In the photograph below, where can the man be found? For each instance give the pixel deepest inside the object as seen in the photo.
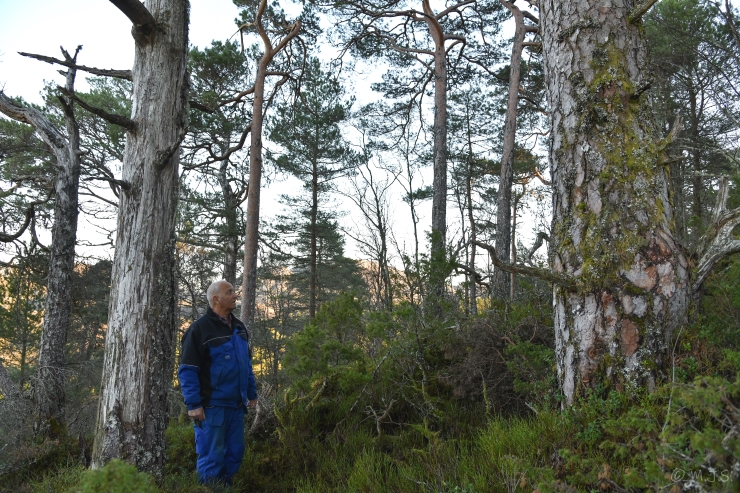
(218, 385)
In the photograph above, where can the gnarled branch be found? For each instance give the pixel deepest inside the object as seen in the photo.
(137, 14)
(544, 274)
(119, 74)
(640, 10)
(36, 119)
(477, 278)
(7, 238)
(717, 242)
(541, 236)
(123, 121)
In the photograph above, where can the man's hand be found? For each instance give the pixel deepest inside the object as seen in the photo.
(252, 404)
(197, 414)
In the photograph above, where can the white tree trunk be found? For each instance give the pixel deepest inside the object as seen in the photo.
(137, 372)
(612, 216)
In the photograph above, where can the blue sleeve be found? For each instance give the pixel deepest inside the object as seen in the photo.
(190, 385)
(189, 371)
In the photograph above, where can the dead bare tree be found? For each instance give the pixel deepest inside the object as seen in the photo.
(49, 381)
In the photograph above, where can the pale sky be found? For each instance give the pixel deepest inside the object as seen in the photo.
(41, 26)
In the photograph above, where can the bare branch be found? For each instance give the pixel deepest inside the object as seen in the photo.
(238, 97)
(35, 237)
(640, 10)
(36, 119)
(454, 8)
(544, 274)
(7, 238)
(476, 275)
(123, 121)
(531, 17)
(541, 236)
(119, 74)
(137, 14)
(200, 106)
(717, 242)
(542, 178)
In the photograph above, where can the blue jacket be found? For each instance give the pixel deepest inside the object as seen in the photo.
(216, 364)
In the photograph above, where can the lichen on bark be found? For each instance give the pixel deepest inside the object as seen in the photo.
(611, 212)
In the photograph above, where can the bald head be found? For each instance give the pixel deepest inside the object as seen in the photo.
(213, 290)
(221, 297)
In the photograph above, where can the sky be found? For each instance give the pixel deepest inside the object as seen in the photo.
(42, 26)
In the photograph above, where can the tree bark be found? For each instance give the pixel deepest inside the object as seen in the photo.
(49, 381)
(612, 225)
(249, 291)
(137, 371)
(439, 184)
(501, 279)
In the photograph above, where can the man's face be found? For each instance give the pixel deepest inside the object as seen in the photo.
(226, 296)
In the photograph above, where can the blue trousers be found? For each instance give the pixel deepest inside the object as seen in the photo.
(219, 443)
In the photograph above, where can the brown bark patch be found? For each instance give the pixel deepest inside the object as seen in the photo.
(643, 277)
(630, 337)
(607, 301)
(658, 250)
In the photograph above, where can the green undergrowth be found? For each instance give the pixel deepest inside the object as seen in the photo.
(678, 436)
(394, 403)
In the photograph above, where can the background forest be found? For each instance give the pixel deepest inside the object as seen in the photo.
(402, 283)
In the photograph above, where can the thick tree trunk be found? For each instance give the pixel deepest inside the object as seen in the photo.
(501, 279)
(612, 225)
(137, 372)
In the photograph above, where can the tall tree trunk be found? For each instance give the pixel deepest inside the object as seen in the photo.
(139, 349)
(697, 182)
(472, 288)
(313, 267)
(249, 282)
(439, 184)
(231, 240)
(249, 279)
(501, 279)
(49, 381)
(612, 225)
